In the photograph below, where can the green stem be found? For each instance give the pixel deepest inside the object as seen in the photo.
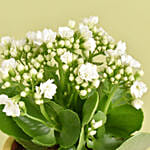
(109, 100)
(81, 140)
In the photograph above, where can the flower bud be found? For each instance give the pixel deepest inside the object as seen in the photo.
(77, 87)
(39, 102)
(83, 92)
(71, 23)
(40, 75)
(23, 94)
(20, 67)
(85, 84)
(27, 48)
(109, 70)
(129, 70)
(65, 67)
(80, 60)
(71, 77)
(62, 43)
(49, 45)
(118, 76)
(7, 84)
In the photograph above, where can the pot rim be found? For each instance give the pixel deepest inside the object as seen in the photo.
(8, 143)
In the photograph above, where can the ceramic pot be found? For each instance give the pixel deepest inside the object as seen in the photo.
(8, 144)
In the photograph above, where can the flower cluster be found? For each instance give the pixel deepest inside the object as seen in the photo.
(71, 54)
(70, 86)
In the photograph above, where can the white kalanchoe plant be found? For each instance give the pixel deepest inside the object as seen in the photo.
(57, 90)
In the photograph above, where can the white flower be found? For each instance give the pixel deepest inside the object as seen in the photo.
(138, 89)
(6, 40)
(49, 35)
(8, 65)
(85, 32)
(65, 32)
(121, 47)
(92, 20)
(120, 50)
(90, 44)
(11, 109)
(88, 72)
(137, 103)
(129, 60)
(48, 89)
(66, 57)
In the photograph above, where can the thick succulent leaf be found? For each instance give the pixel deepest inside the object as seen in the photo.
(70, 131)
(124, 120)
(9, 126)
(107, 142)
(141, 141)
(100, 116)
(89, 108)
(31, 127)
(32, 108)
(45, 140)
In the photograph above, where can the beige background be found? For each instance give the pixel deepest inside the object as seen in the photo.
(128, 20)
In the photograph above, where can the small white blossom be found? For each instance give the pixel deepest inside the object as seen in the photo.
(49, 35)
(11, 109)
(5, 40)
(8, 65)
(92, 20)
(137, 103)
(90, 44)
(119, 51)
(129, 60)
(88, 72)
(138, 89)
(48, 88)
(85, 32)
(65, 32)
(66, 57)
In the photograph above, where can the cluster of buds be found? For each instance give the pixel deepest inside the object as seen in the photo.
(34, 62)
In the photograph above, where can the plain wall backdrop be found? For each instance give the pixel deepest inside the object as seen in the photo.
(127, 20)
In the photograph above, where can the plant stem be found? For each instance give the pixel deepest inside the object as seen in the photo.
(81, 140)
(109, 100)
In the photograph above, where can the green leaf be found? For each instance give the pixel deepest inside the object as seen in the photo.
(32, 108)
(107, 142)
(100, 116)
(89, 108)
(45, 140)
(71, 148)
(141, 141)
(31, 127)
(9, 127)
(124, 120)
(70, 131)
(120, 97)
(29, 145)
